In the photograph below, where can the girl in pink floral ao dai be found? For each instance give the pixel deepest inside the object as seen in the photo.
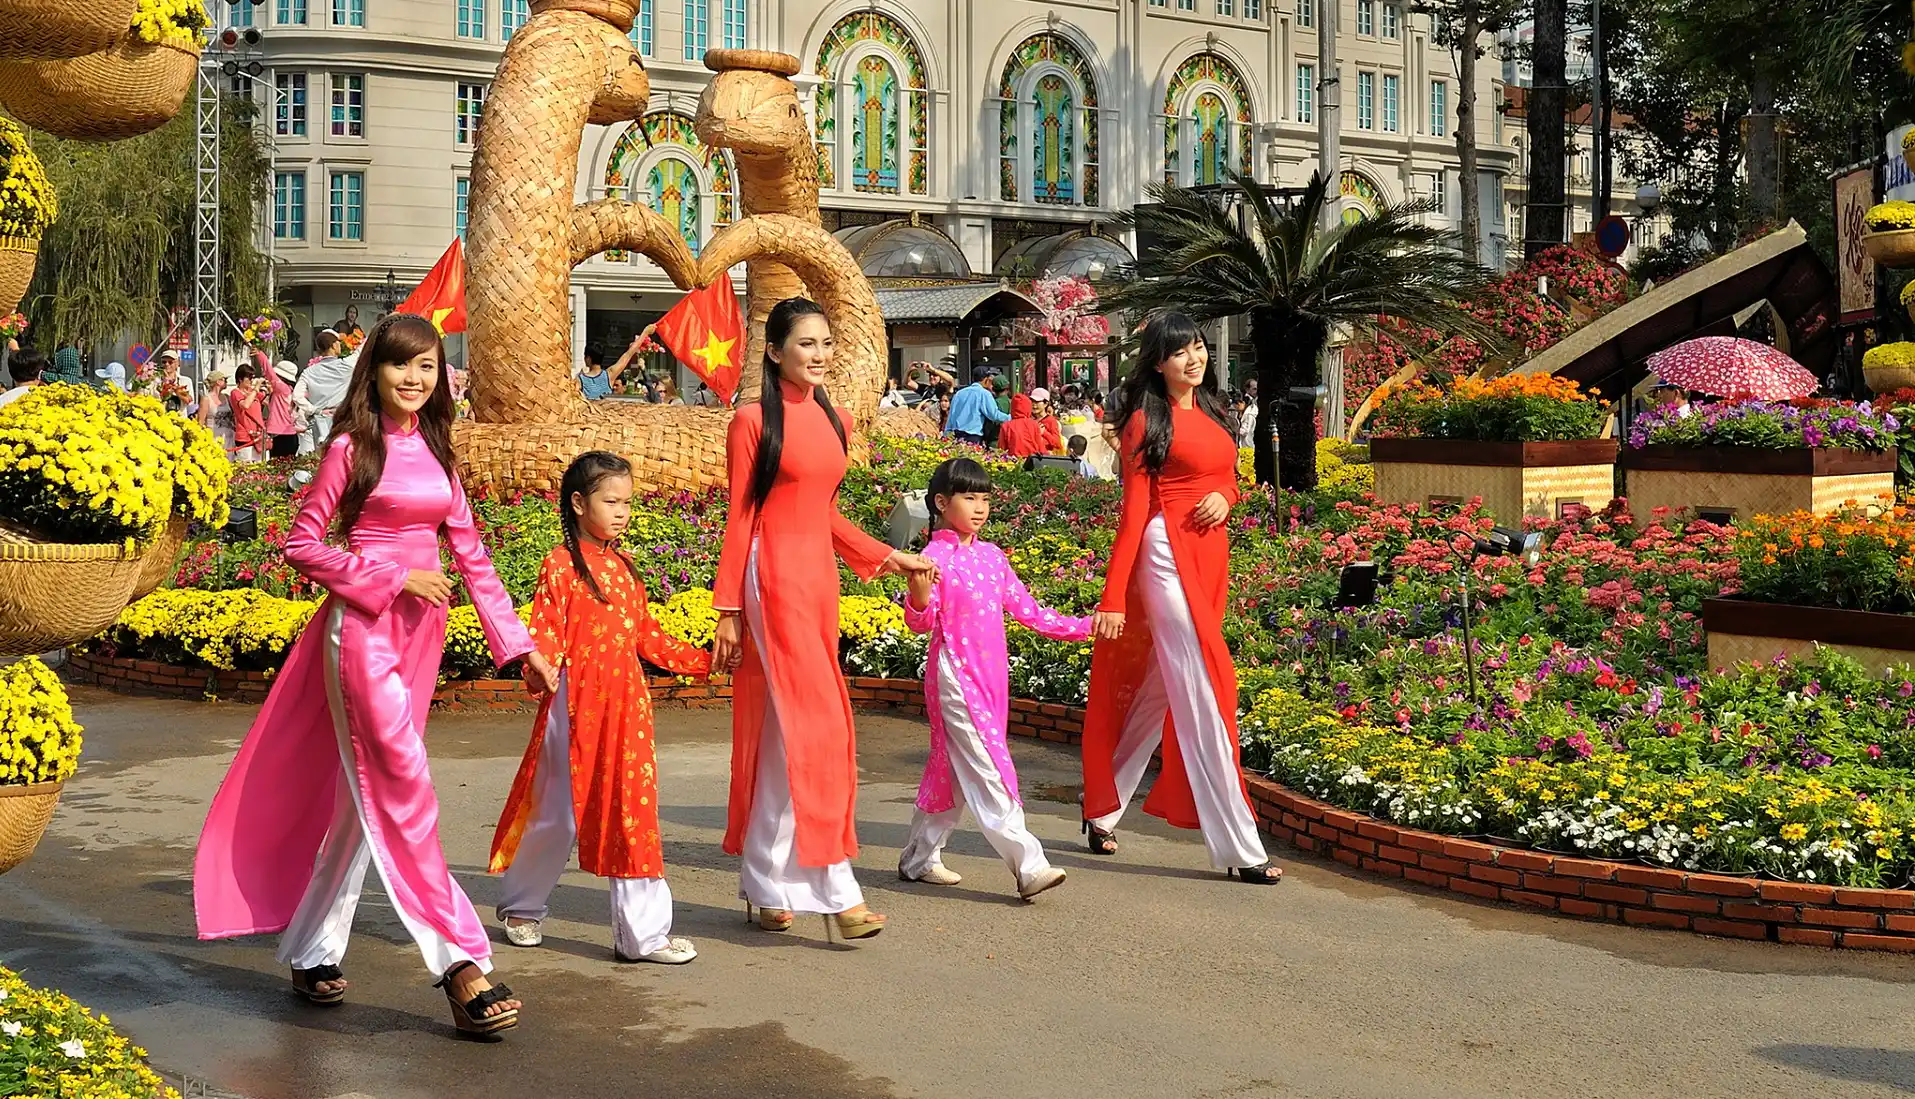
(967, 685)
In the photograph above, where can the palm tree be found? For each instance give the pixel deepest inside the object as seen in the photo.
(1296, 281)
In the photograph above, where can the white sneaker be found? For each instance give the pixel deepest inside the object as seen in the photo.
(936, 875)
(1047, 878)
(676, 951)
(529, 933)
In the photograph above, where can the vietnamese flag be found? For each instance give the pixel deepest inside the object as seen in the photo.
(441, 297)
(706, 332)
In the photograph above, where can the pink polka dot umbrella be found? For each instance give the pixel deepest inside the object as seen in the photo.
(1724, 366)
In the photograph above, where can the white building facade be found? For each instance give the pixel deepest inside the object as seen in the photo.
(993, 123)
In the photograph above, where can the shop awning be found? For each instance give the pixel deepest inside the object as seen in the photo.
(1610, 353)
(948, 304)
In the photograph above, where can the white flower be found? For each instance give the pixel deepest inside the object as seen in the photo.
(3, 994)
(73, 1048)
(11, 1030)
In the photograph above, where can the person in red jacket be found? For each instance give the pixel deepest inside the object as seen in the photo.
(1160, 651)
(1046, 418)
(1021, 437)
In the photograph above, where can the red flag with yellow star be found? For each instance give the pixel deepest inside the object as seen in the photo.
(441, 297)
(706, 332)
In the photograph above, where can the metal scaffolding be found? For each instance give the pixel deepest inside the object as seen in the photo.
(206, 218)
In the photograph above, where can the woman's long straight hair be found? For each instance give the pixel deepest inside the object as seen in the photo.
(771, 399)
(398, 338)
(1143, 389)
(582, 478)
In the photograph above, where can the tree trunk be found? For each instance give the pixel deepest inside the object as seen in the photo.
(1548, 103)
(1289, 354)
(1765, 166)
(1722, 213)
(1466, 182)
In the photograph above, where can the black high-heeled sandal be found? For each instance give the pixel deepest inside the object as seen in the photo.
(306, 982)
(1267, 874)
(470, 1017)
(1098, 840)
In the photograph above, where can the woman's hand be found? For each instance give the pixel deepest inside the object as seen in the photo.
(539, 675)
(727, 644)
(431, 585)
(1211, 511)
(1109, 625)
(908, 564)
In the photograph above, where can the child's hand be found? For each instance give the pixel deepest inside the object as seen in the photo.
(1109, 625)
(921, 583)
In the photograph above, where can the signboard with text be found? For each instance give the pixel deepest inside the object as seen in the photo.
(1855, 271)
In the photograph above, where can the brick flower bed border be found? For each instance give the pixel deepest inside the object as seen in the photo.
(1643, 896)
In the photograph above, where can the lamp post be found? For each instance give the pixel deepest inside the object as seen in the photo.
(391, 297)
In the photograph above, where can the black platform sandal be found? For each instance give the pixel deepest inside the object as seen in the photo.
(470, 1017)
(306, 982)
(1267, 874)
(1099, 841)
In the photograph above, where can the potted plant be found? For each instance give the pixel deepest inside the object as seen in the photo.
(1890, 366)
(1733, 459)
(133, 86)
(39, 750)
(1843, 580)
(27, 206)
(1890, 239)
(1526, 444)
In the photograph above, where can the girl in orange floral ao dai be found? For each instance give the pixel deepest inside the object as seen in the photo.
(590, 773)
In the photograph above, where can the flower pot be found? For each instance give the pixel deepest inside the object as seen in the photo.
(45, 29)
(1888, 379)
(130, 89)
(1514, 480)
(157, 563)
(17, 257)
(24, 813)
(54, 594)
(1743, 631)
(1891, 247)
(1726, 483)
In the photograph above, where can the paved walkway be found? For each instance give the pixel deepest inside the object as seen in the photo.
(1146, 976)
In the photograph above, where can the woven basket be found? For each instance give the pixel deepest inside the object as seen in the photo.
(1893, 248)
(24, 813)
(53, 594)
(17, 258)
(619, 13)
(44, 29)
(1888, 379)
(157, 564)
(130, 89)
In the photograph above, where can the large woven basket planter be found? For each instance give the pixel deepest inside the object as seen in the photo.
(24, 813)
(125, 91)
(1552, 480)
(161, 557)
(54, 594)
(1726, 484)
(62, 28)
(1888, 379)
(17, 257)
(1893, 248)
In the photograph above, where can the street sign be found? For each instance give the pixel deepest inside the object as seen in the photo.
(1612, 237)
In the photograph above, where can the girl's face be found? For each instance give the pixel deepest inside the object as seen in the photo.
(604, 515)
(404, 387)
(1185, 367)
(806, 353)
(965, 512)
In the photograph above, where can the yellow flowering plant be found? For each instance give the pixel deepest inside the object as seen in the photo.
(53, 1047)
(39, 740)
(225, 630)
(688, 616)
(863, 618)
(1898, 354)
(87, 465)
(28, 203)
(171, 22)
(1889, 216)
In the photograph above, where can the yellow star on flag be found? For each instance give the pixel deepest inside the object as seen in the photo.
(716, 352)
(439, 319)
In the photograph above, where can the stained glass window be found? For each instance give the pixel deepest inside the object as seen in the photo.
(1053, 157)
(1210, 139)
(673, 187)
(874, 131)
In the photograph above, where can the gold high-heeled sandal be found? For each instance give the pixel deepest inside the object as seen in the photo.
(770, 919)
(858, 923)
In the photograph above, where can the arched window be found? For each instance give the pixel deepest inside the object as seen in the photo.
(1048, 125)
(1207, 122)
(872, 112)
(660, 162)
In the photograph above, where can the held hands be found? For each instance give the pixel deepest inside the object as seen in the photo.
(1109, 625)
(727, 645)
(909, 564)
(921, 583)
(540, 677)
(1210, 511)
(430, 585)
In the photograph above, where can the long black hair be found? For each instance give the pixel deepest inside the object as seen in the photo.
(771, 400)
(1143, 389)
(582, 478)
(952, 477)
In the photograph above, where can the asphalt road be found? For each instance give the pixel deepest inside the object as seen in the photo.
(1144, 976)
